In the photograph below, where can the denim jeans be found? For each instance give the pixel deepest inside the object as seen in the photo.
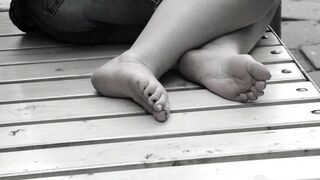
(92, 21)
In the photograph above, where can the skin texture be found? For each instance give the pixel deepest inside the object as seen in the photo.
(175, 32)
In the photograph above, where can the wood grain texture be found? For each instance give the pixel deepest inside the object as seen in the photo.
(145, 127)
(270, 169)
(180, 101)
(162, 152)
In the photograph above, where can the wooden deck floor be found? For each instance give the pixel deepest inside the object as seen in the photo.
(54, 126)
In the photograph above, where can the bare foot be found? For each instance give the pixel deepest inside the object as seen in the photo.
(234, 77)
(127, 77)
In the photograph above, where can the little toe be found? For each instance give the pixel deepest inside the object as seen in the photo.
(142, 85)
(251, 96)
(260, 85)
(242, 98)
(149, 90)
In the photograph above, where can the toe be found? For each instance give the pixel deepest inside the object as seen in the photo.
(149, 90)
(161, 109)
(242, 98)
(258, 70)
(145, 105)
(251, 96)
(142, 85)
(260, 85)
(256, 92)
(155, 96)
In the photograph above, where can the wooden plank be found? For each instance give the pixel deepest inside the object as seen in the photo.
(271, 54)
(6, 26)
(180, 101)
(268, 39)
(68, 53)
(82, 87)
(144, 127)
(161, 152)
(267, 169)
(4, 5)
(28, 41)
(60, 89)
(84, 68)
(40, 55)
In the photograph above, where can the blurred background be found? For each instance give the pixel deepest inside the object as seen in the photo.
(301, 33)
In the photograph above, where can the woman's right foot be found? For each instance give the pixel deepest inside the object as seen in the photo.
(127, 77)
(234, 77)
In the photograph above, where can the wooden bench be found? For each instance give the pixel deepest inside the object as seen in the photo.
(54, 126)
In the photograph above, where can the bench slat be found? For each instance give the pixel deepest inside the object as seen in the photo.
(84, 68)
(144, 127)
(67, 53)
(268, 39)
(29, 41)
(82, 87)
(162, 152)
(6, 26)
(280, 169)
(99, 107)
(264, 54)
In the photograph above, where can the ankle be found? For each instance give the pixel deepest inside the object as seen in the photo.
(131, 56)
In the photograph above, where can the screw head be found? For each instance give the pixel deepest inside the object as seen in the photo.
(317, 111)
(276, 52)
(302, 89)
(286, 71)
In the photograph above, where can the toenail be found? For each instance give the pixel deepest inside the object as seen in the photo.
(165, 113)
(159, 107)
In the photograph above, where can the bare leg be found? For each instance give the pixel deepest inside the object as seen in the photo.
(221, 68)
(176, 27)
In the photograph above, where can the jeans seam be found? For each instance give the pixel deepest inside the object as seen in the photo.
(54, 8)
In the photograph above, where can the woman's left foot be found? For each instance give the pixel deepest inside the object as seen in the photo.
(234, 77)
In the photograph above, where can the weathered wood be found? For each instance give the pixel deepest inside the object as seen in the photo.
(84, 68)
(144, 127)
(162, 152)
(180, 101)
(283, 168)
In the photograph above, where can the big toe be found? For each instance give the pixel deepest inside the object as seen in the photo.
(258, 71)
(161, 109)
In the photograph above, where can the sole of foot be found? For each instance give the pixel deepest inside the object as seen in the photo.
(236, 77)
(127, 77)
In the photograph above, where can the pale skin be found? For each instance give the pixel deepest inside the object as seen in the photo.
(207, 40)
